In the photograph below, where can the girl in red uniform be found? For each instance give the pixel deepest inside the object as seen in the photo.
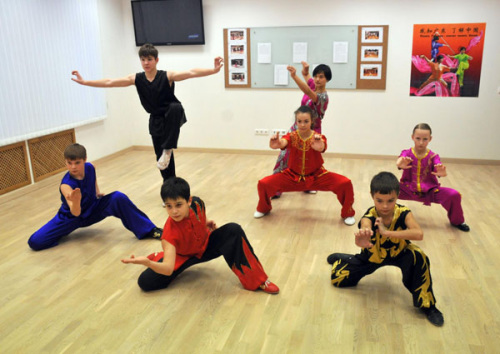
(305, 168)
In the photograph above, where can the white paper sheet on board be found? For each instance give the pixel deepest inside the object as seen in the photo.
(299, 52)
(280, 75)
(264, 53)
(340, 52)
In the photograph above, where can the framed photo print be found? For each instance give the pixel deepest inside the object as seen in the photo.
(237, 49)
(371, 53)
(237, 63)
(238, 78)
(370, 71)
(237, 34)
(372, 34)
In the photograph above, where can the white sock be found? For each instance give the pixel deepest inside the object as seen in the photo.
(164, 159)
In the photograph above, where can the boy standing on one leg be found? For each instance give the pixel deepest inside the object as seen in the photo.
(156, 91)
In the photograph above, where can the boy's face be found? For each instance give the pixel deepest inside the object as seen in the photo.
(178, 209)
(303, 122)
(149, 63)
(76, 168)
(421, 138)
(385, 203)
(320, 80)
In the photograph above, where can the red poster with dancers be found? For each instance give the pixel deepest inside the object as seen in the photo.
(446, 59)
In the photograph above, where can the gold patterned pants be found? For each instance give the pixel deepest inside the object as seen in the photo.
(348, 270)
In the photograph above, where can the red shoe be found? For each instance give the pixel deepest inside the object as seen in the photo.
(269, 287)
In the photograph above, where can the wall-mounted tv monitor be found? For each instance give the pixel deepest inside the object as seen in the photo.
(168, 22)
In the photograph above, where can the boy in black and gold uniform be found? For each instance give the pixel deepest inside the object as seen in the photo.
(384, 235)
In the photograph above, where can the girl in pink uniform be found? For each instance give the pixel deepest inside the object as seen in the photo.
(421, 168)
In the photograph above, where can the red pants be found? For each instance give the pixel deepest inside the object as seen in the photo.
(285, 182)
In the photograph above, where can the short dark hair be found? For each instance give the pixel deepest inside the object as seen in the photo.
(422, 126)
(325, 69)
(384, 183)
(174, 188)
(439, 57)
(75, 152)
(148, 50)
(306, 109)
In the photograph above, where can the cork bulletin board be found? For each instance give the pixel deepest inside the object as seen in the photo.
(363, 66)
(372, 57)
(237, 68)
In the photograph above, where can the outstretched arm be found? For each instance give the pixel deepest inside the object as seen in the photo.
(413, 231)
(166, 267)
(302, 85)
(189, 74)
(426, 59)
(120, 82)
(277, 143)
(73, 198)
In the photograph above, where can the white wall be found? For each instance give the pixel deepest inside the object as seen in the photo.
(114, 133)
(357, 122)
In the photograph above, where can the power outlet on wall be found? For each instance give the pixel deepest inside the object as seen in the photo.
(280, 131)
(261, 131)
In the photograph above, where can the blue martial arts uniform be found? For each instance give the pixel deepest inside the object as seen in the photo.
(93, 210)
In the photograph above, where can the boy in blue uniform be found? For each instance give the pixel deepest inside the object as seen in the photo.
(83, 205)
(384, 235)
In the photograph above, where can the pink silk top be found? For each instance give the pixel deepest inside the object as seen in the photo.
(419, 177)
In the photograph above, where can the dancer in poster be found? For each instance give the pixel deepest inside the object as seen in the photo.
(435, 45)
(438, 69)
(462, 64)
(441, 82)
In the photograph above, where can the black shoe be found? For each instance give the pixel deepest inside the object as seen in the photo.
(462, 227)
(348, 258)
(155, 233)
(433, 315)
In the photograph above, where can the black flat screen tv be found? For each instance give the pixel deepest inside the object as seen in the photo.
(168, 22)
